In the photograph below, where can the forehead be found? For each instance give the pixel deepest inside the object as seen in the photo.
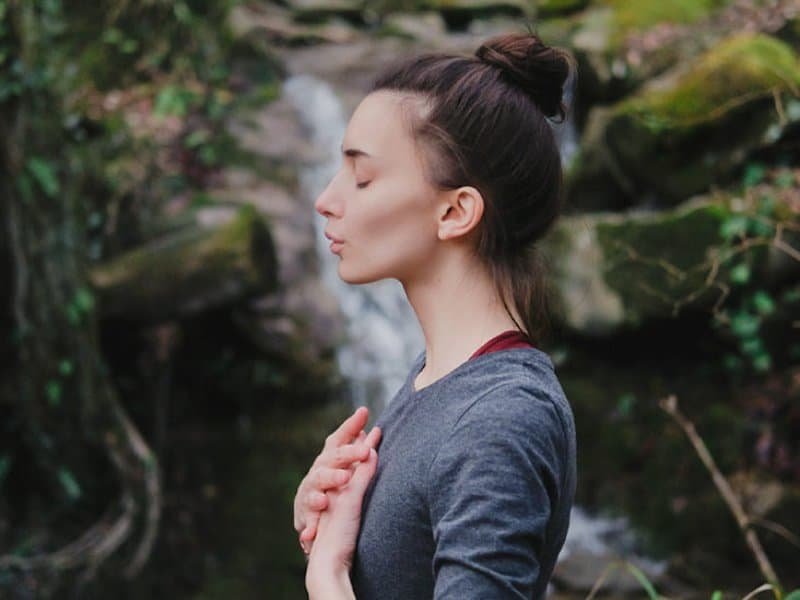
(379, 126)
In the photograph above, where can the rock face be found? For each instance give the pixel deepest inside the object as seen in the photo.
(690, 128)
(614, 270)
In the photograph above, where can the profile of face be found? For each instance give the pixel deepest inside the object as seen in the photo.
(390, 219)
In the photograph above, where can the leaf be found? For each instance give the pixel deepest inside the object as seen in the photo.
(173, 100)
(65, 367)
(44, 174)
(717, 595)
(740, 273)
(52, 390)
(84, 300)
(733, 226)
(625, 404)
(793, 595)
(744, 324)
(73, 314)
(69, 483)
(752, 346)
(753, 174)
(763, 303)
(196, 138)
(762, 362)
(760, 228)
(642, 578)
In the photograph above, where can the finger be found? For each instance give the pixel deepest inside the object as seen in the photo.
(374, 437)
(345, 456)
(316, 500)
(308, 534)
(349, 427)
(325, 478)
(311, 527)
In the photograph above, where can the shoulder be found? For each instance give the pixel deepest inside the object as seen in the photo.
(523, 396)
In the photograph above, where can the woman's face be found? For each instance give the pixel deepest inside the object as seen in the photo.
(379, 203)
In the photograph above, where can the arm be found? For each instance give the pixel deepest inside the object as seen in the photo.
(334, 584)
(328, 568)
(492, 489)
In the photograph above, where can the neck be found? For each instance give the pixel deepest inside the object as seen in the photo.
(458, 309)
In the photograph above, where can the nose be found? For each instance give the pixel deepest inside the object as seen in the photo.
(325, 204)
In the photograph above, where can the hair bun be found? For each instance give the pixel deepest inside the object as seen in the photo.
(540, 70)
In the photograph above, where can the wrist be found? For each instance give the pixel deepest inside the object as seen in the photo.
(329, 582)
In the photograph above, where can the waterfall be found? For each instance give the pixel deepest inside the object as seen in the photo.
(383, 335)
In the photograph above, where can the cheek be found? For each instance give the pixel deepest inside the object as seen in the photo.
(395, 223)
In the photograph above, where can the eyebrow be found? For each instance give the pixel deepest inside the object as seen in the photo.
(354, 152)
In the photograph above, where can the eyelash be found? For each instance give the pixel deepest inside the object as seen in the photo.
(361, 186)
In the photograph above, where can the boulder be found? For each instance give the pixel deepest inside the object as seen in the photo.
(459, 13)
(312, 11)
(599, 35)
(546, 8)
(614, 270)
(221, 255)
(692, 127)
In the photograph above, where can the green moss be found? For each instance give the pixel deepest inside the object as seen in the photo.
(635, 15)
(742, 68)
(653, 263)
(554, 7)
(656, 263)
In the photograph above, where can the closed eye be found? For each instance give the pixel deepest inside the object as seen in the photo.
(362, 185)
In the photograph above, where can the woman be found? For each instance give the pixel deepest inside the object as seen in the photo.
(451, 174)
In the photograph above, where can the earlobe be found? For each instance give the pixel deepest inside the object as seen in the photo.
(463, 210)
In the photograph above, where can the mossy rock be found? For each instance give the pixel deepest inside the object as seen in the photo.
(693, 127)
(598, 40)
(614, 271)
(459, 13)
(742, 68)
(634, 15)
(316, 11)
(546, 8)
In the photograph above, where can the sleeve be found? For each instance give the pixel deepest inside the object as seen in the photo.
(492, 488)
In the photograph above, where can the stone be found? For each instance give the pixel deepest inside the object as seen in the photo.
(736, 98)
(612, 271)
(425, 26)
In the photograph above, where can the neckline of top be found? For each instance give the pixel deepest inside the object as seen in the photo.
(532, 352)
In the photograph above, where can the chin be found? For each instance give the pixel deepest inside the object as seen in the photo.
(358, 277)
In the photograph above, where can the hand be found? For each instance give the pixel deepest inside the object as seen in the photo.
(331, 468)
(327, 574)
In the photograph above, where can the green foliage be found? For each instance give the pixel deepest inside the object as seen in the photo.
(69, 483)
(44, 174)
(108, 109)
(750, 305)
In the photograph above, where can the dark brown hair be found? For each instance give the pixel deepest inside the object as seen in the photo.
(485, 125)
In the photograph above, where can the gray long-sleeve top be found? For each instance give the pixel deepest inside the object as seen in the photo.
(475, 480)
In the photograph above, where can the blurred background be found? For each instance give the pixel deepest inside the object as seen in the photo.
(175, 343)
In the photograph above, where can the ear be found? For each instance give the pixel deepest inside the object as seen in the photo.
(460, 212)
